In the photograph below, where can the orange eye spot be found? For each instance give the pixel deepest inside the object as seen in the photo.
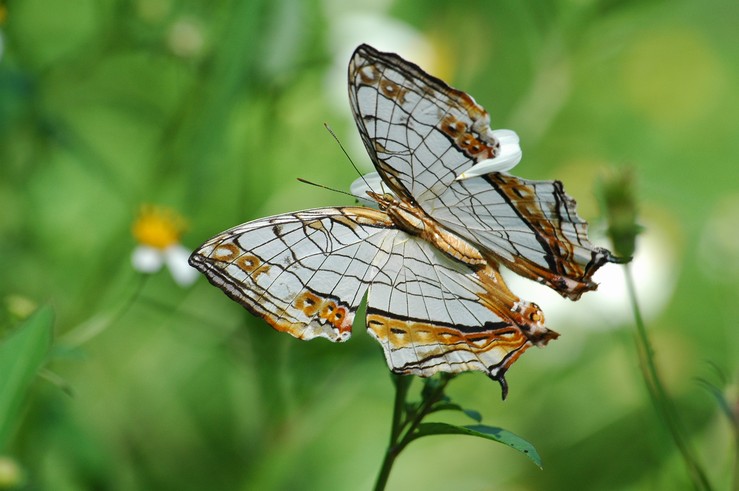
(369, 75)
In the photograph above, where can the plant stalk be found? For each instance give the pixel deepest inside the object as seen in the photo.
(401, 392)
(657, 392)
(406, 421)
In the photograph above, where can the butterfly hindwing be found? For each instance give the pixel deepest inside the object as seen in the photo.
(432, 313)
(531, 227)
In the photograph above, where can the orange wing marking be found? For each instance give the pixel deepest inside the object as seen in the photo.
(504, 344)
(526, 315)
(326, 309)
(249, 263)
(473, 147)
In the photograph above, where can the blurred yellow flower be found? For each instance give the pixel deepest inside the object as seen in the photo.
(11, 474)
(158, 231)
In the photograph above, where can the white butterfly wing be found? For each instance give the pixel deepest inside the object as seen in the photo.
(306, 272)
(423, 136)
(530, 226)
(420, 133)
(431, 313)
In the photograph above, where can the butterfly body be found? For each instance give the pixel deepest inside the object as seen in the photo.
(415, 221)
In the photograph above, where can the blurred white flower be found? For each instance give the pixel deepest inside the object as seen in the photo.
(348, 29)
(185, 38)
(654, 270)
(158, 232)
(718, 249)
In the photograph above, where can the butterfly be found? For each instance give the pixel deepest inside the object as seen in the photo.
(428, 255)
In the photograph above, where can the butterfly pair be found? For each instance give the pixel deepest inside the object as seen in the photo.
(428, 259)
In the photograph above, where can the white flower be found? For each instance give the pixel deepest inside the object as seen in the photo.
(158, 233)
(349, 29)
(508, 156)
(186, 38)
(654, 270)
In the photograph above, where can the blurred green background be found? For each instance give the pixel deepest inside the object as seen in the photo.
(215, 108)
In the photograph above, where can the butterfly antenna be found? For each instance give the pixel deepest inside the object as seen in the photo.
(336, 138)
(305, 181)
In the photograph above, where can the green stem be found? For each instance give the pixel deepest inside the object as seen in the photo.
(658, 393)
(402, 383)
(405, 421)
(733, 415)
(736, 459)
(426, 406)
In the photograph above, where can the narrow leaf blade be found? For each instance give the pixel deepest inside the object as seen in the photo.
(482, 431)
(21, 356)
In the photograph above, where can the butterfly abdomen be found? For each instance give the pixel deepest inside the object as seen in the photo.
(413, 220)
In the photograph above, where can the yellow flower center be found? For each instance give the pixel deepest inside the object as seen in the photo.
(158, 227)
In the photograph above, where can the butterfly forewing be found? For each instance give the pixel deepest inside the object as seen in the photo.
(306, 272)
(420, 133)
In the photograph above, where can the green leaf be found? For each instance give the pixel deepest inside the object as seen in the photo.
(490, 432)
(451, 406)
(21, 356)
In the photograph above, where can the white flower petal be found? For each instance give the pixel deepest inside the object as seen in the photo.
(147, 259)
(176, 257)
(509, 156)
